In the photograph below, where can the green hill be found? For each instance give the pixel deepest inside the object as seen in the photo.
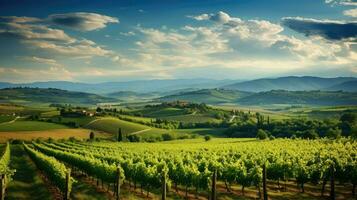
(208, 96)
(132, 96)
(50, 95)
(112, 125)
(291, 83)
(349, 86)
(301, 97)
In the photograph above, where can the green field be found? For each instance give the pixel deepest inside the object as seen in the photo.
(80, 121)
(162, 112)
(6, 118)
(192, 118)
(30, 126)
(112, 125)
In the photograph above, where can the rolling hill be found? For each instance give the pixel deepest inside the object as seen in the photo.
(349, 86)
(39, 95)
(140, 86)
(291, 83)
(132, 96)
(331, 98)
(208, 96)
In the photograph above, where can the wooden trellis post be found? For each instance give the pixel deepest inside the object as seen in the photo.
(68, 179)
(117, 192)
(332, 183)
(163, 187)
(265, 193)
(2, 186)
(213, 189)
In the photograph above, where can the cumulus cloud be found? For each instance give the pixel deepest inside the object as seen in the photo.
(82, 21)
(219, 17)
(37, 34)
(328, 29)
(351, 12)
(77, 49)
(24, 28)
(258, 44)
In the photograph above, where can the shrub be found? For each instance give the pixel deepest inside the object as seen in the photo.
(134, 138)
(167, 137)
(207, 137)
(262, 135)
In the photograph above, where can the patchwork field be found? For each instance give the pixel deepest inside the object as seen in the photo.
(54, 134)
(20, 125)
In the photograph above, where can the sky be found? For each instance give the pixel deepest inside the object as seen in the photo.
(101, 41)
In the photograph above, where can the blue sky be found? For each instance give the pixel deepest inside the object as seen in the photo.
(99, 41)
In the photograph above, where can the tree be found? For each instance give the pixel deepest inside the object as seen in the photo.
(348, 117)
(207, 137)
(134, 138)
(310, 134)
(99, 109)
(262, 135)
(91, 135)
(167, 137)
(333, 133)
(120, 135)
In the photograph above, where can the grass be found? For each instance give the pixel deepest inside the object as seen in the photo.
(163, 112)
(81, 121)
(26, 183)
(55, 134)
(112, 125)
(6, 118)
(197, 118)
(51, 113)
(30, 126)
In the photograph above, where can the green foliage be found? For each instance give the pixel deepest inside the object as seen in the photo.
(334, 133)
(207, 137)
(134, 138)
(185, 164)
(4, 164)
(167, 137)
(261, 135)
(54, 170)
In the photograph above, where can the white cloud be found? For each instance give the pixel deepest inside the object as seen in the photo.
(77, 49)
(82, 21)
(16, 74)
(342, 2)
(20, 28)
(351, 12)
(36, 34)
(129, 33)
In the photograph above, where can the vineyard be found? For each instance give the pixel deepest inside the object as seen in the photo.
(204, 170)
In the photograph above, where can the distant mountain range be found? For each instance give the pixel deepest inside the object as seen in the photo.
(349, 86)
(140, 86)
(208, 96)
(313, 97)
(164, 87)
(322, 98)
(294, 83)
